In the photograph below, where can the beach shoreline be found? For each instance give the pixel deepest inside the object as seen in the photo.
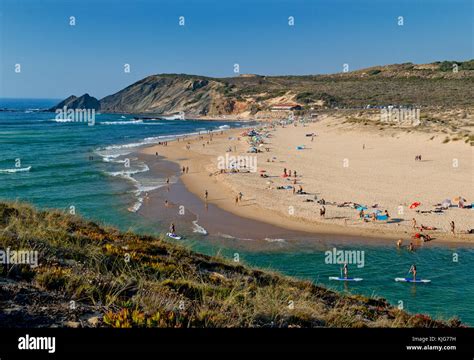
(223, 188)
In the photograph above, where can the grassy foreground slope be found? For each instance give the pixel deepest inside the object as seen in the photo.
(91, 276)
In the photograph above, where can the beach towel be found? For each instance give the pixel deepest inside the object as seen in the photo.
(415, 205)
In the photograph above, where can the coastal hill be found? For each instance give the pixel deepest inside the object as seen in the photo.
(445, 84)
(83, 102)
(91, 276)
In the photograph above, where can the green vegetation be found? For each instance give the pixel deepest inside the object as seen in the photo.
(374, 72)
(141, 281)
(462, 65)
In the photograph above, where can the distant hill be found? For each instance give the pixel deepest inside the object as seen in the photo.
(83, 102)
(440, 84)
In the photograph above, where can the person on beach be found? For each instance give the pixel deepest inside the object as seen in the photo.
(187, 169)
(237, 200)
(322, 212)
(414, 223)
(386, 214)
(411, 248)
(399, 243)
(156, 153)
(166, 203)
(361, 214)
(184, 170)
(413, 271)
(452, 228)
(240, 196)
(167, 181)
(206, 194)
(294, 174)
(426, 237)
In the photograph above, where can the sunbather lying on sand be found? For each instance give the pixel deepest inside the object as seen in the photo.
(423, 227)
(424, 237)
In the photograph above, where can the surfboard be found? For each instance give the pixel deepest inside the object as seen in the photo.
(173, 236)
(410, 280)
(344, 279)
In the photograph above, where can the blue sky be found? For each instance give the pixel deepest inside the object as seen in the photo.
(58, 60)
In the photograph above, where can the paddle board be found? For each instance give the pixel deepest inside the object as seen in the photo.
(344, 279)
(173, 236)
(410, 280)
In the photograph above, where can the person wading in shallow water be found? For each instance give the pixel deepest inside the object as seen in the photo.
(206, 195)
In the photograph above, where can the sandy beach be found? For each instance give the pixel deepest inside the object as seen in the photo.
(342, 164)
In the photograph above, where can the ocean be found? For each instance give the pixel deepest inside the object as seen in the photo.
(80, 168)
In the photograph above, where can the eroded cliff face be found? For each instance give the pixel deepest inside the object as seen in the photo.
(170, 94)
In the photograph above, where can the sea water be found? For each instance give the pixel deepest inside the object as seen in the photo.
(80, 168)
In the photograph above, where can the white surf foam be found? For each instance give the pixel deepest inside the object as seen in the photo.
(131, 122)
(15, 170)
(275, 240)
(198, 228)
(62, 120)
(128, 173)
